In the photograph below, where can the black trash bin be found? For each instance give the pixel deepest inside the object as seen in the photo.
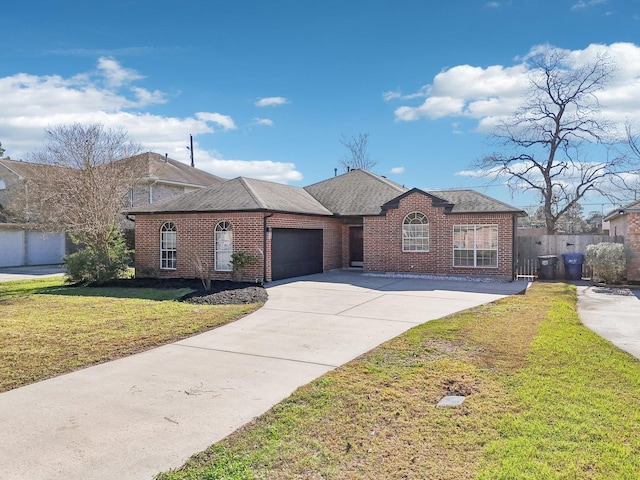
(547, 267)
(573, 265)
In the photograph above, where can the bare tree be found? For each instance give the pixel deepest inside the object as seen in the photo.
(357, 156)
(549, 134)
(83, 190)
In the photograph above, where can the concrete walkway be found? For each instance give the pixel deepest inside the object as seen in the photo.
(613, 313)
(135, 417)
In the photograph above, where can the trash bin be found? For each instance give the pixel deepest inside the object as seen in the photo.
(547, 267)
(573, 265)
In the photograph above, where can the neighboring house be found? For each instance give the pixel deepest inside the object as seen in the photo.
(160, 178)
(21, 243)
(625, 221)
(357, 219)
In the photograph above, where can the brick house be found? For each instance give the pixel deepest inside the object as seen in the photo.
(625, 221)
(357, 219)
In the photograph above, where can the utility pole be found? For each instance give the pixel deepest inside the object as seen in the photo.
(191, 149)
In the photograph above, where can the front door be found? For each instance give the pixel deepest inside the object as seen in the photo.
(356, 247)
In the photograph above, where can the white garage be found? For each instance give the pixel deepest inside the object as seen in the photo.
(19, 247)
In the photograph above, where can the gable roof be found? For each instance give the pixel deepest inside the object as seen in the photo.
(240, 194)
(156, 167)
(357, 192)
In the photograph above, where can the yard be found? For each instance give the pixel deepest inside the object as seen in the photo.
(47, 328)
(546, 399)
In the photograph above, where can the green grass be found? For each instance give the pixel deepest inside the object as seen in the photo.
(47, 328)
(546, 399)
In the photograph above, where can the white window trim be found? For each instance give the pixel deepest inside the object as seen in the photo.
(475, 246)
(174, 230)
(428, 236)
(227, 228)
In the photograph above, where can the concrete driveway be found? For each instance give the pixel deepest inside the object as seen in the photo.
(137, 416)
(613, 313)
(30, 272)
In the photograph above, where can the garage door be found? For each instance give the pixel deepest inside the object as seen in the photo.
(45, 248)
(295, 252)
(12, 250)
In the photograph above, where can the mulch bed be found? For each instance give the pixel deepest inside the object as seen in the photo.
(222, 292)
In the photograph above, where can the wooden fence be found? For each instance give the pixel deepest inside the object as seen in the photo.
(529, 248)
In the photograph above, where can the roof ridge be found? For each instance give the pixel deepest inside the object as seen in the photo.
(382, 179)
(251, 191)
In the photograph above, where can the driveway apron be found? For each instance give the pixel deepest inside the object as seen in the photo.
(147, 413)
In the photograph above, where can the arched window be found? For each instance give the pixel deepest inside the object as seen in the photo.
(224, 247)
(168, 246)
(415, 233)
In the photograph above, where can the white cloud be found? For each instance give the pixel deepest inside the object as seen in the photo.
(266, 122)
(114, 74)
(271, 101)
(29, 104)
(225, 121)
(489, 94)
(397, 170)
(279, 172)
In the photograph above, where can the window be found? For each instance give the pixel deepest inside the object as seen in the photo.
(224, 247)
(415, 233)
(168, 246)
(475, 246)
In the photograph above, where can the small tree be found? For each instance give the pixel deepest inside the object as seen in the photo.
(83, 190)
(357, 156)
(608, 261)
(1, 150)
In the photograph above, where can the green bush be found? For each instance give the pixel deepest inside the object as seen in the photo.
(92, 265)
(608, 261)
(240, 261)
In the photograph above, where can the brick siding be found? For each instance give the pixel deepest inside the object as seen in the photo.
(383, 241)
(195, 241)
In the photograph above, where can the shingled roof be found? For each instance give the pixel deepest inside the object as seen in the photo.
(240, 194)
(24, 170)
(357, 192)
(162, 168)
(470, 201)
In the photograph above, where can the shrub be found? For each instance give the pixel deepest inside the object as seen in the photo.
(240, 260)
(93, 265)
(608, 261)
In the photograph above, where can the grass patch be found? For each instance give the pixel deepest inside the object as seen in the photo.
(47, 328)
(546, 399)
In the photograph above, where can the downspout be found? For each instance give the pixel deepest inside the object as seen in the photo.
(264, 246)
(514, 258)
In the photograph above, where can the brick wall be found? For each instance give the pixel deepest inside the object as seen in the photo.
(632, 241)
(383, 241)
(195, 240)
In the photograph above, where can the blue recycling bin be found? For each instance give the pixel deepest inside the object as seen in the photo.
(573, 265)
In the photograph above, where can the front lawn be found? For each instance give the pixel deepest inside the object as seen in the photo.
(47, 328)
(546, 399)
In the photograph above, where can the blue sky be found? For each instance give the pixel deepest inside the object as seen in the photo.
(267, 88)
